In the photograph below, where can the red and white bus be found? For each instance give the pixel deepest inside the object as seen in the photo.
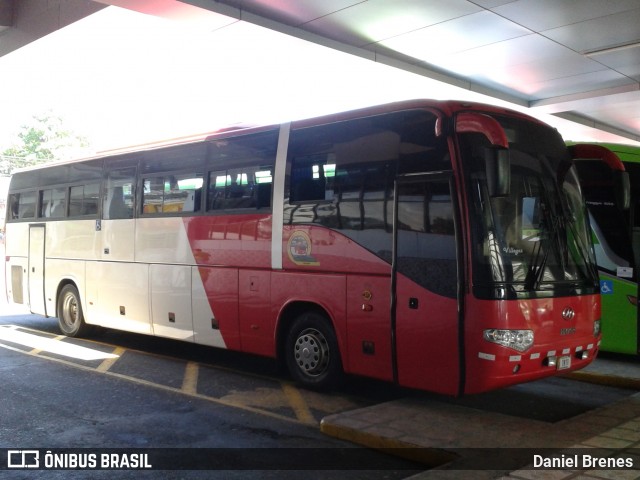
(439, 245)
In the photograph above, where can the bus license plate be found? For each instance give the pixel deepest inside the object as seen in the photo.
(564, 362)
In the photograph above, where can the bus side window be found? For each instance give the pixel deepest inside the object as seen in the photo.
(53, 203)
(22, 205)
(182, 193)
(172, 193)
(14, 199)
(241, 171)
(152, 194)
(309, 177)
(83, 200)
(248, 187)
(118, 194)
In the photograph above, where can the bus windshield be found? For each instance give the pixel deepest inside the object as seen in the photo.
(610, 223)
(535, 241)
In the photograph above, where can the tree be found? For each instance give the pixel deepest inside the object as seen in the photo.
(42, 141)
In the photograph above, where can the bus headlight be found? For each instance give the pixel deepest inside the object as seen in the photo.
(596, 328)
(520, 340)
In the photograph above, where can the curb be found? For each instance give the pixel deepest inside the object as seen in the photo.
(604, 379)
(429, 457)
(432, 457)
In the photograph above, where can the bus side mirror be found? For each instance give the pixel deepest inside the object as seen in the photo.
(622, 187)
(498, 168)
(496, 157)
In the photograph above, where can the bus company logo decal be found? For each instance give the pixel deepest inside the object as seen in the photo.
(299, 249)
(512, 251)
(568, 313)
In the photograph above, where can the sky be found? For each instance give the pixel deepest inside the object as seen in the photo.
(121, 78)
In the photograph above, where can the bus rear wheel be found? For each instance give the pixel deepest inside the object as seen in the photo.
(312, 353)
(70, 316)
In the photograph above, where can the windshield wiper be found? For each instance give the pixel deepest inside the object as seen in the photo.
(582, 251)
(536, 267)
(535, 273)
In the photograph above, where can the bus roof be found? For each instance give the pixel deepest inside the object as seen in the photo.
(139, 148)
(626, 153)
(446, 107)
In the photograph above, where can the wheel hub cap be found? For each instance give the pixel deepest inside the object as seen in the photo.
(311, 352)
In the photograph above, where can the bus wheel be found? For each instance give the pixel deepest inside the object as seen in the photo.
(312, 353)
(70, 317)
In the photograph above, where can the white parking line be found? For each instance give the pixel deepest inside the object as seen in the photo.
(51, 345)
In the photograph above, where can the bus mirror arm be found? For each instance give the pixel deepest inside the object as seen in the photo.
(472, 122)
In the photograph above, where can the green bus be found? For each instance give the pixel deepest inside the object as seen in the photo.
(610, 178)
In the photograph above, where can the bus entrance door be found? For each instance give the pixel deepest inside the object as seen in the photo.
(425, 278)
(36, 269)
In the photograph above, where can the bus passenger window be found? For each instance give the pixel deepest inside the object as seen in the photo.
(309, 178)
(173, 199)
(76, 194)
(190, 190)
(83, 200)
(152, 195)
(118, 194)
(117, 207)
(248, 187)
(22, 205)
(183, 194)
(241, 171)
(53, 203)
(172, 193)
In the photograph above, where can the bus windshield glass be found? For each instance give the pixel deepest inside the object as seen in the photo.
(610, 223)
(535, 241)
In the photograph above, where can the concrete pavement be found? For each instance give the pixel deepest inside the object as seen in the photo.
(460, 442)
(455, 439)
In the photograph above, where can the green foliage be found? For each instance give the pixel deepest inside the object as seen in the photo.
(44, 140)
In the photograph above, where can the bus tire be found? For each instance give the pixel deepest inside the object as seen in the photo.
(311, 352)
(70, 316)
